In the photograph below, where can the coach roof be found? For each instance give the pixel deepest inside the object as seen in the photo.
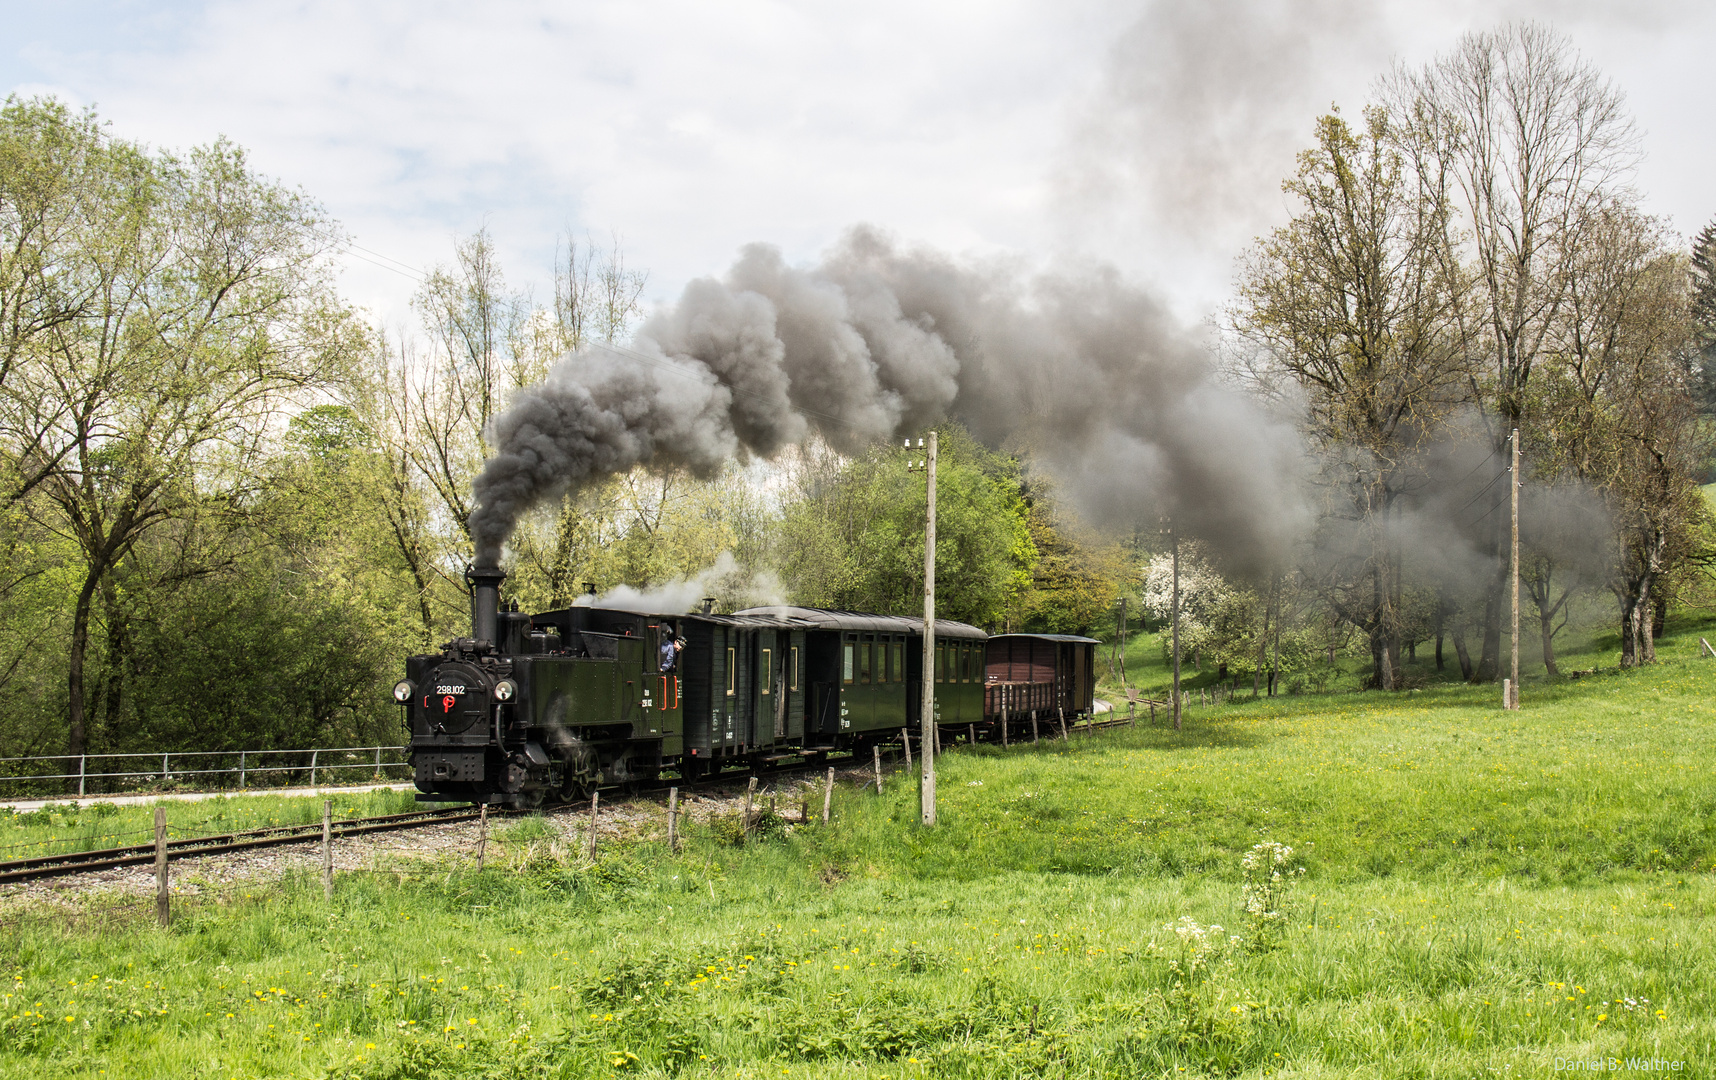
(824, 619)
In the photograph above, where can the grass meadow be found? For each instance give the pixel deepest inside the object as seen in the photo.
(1483, 893)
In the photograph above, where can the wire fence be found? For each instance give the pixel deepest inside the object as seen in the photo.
(585, 836)
(82, 775)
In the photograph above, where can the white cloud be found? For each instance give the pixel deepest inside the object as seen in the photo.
(692, 128)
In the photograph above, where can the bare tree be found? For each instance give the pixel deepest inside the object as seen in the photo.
(1539, 142)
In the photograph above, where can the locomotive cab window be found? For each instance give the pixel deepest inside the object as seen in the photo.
(732, 672)
(768, 669)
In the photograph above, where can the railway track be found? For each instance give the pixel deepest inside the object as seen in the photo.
(77, 862)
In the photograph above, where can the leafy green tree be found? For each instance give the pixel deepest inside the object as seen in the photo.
(854, 538)
(1356, 300)
(1704, 314)
(206, 308)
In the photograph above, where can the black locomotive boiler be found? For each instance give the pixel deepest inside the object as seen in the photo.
(552, 705)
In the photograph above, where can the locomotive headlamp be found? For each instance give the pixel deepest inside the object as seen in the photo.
(403, 691)
(505, 689)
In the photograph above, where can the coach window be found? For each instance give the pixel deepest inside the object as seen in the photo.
(846, 662)
(768, 669)
(938, 664)
(899, 668)
(792, 668)
(864, 660)
(732, 670)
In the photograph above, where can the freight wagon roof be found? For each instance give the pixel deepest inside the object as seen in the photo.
(1049, 637)
(825, 619)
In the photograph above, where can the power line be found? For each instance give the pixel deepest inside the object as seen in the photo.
(1481, 492)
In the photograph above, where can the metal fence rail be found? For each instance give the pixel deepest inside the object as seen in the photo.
(240, 765)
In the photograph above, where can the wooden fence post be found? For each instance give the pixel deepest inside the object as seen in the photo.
(750, 796)
(877, 752)
(327, 849)
(906, 741)
(971, 734)
(673, 820)
(163, 911)
(1062, 713)
(482, 836)
(828, 797)
(1004, 743)
(595, 806)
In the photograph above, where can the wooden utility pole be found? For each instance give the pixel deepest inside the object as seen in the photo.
(1513, 478)
(926, 741)
(1174, 535)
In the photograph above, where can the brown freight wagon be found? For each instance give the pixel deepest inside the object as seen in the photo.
(1053, 675)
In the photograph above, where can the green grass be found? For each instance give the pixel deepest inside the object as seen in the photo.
(1484, 892)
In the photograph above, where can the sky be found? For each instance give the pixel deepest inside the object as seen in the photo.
(1151, 135)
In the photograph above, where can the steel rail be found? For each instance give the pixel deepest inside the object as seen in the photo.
(76, 862)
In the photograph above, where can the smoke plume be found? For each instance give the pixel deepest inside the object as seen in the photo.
(1084, 369)
(727, 583)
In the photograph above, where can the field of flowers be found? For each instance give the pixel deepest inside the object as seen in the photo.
(1482, 892)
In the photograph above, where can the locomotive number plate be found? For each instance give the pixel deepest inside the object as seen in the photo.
(451, 688)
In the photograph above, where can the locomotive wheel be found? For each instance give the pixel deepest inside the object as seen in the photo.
(571, 790)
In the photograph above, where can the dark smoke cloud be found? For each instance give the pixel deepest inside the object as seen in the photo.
(875, 342)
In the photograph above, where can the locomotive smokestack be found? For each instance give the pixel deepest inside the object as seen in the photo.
(485, 582)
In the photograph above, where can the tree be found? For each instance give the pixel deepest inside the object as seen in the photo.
(206, 308)
(853, 538)
(1356, 300)
(1539, 142)
(1704, 314)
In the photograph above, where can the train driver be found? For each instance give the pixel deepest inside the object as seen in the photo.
(670, 647)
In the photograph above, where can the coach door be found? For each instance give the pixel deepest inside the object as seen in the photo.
(769, 689)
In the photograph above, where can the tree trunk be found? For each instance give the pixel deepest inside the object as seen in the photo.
(1262, 645)
(1489, 659)
(77, 742)
(1629, 621)
(1659, 613)
(1546, 624)
(1460, 652)
(1441, 622)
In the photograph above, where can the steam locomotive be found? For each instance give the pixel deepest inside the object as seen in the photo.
(550, 706)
